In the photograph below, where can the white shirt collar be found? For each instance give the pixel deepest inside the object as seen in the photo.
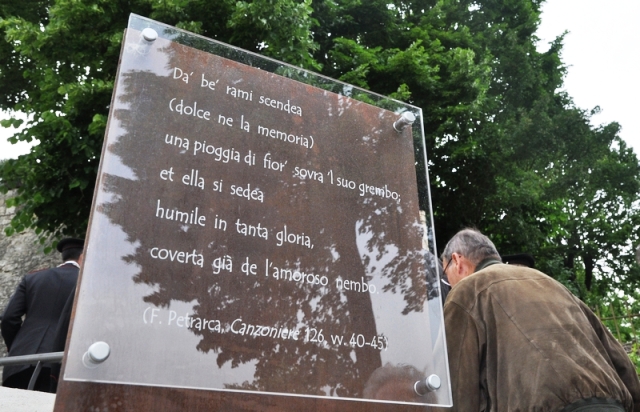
(70, 262)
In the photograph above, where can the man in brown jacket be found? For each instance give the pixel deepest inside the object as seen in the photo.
(520, 341)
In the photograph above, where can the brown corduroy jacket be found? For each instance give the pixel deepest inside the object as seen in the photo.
(520, 341)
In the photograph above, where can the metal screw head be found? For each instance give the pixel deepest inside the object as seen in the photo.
(97, 353)
(149, 34)
(405, 120)
(433, 382)
(426, 385)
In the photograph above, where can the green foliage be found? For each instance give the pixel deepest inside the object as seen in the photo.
(508, 152)
(635, 358)
(281, 29)
(620, 313)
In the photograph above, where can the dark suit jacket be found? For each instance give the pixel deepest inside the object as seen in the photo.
(40, 296)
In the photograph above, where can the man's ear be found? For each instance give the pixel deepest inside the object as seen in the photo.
(458, 261)
(463, 266)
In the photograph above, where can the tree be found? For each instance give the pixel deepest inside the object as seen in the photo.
(558, 187)
(59, 63)
(509, 153)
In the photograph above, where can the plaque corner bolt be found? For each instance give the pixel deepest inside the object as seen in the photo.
(429, 384)
(149, 35)
(406, 119)
(97, 353)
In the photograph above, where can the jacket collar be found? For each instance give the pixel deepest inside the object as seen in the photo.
(486, 263)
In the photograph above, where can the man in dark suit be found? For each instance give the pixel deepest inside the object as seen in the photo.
(40, 298)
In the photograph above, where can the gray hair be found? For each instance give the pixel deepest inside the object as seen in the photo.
(471, 244)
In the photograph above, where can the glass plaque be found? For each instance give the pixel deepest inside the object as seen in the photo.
(258, 228)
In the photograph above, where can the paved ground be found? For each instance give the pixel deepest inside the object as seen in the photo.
(18, 400)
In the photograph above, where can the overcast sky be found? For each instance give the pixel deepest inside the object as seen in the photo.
(601, 51)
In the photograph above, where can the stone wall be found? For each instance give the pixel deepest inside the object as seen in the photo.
(19, 254)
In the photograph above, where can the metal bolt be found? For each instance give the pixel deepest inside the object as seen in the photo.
(97, 353)
(149, 34)
(433, 382)
(429, 384)
(406, 119)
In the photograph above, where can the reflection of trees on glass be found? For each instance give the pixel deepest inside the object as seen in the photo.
(356, 238)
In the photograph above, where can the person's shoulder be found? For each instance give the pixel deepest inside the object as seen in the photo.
(37, 272)
(499, 280)
(35, 276)
(493, 278)
(40, 273)
(502, 271)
